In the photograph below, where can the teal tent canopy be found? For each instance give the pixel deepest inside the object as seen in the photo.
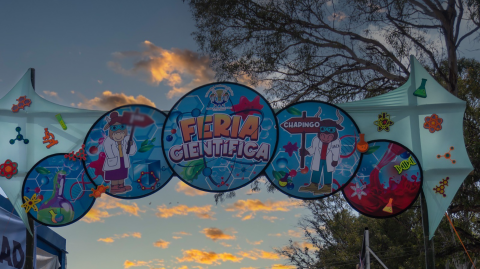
(33, 120)
(409, 112)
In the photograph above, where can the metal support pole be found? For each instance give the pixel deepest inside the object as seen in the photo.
(429, 251)
(30, 260)
(367, 249)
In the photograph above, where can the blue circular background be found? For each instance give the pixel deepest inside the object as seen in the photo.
(287, 155)
(148, 158)
(75, 191)
(221, 173)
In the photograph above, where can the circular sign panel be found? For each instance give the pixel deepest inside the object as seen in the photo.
(388, 181)
(317, 150)
(124, 152)
(220, 137)
(56, 191)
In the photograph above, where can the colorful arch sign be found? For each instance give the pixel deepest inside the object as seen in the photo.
(380, 152)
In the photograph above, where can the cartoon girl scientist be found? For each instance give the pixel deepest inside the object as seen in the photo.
(117, 160)
(325, 149)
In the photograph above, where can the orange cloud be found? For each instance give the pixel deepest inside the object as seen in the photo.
(106, 240)
(182, 233)
(161, 244)
(281, 266)
(95, 215)
(254, 206)
(337, 16)
(270, 218)
(203, 212)
(113, 238)
(176, 237)
(187, 190)
(109, 100)
(294, 233)
(150, 264)
(225, 244)
(249, 268)
(255, 242)
(155, 65)
(277, 234)
(256, 254)
(210, 257)
(217, 234)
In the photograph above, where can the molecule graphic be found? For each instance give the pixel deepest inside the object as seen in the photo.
(19, 137)
(23, 101)
(441, 189)
(8, 169)
(80, 154)
(447, 156)
(383, 122)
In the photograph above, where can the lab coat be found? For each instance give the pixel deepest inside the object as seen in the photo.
(112, 160)
(333, 153)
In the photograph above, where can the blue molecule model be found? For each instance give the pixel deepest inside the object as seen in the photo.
(282, 163)
(44, 181)
(243, 169)
(169, 138)
(196, 112)
(207, 171)
(18, 129)
(405, 155)
(290, 186)
(12, 141)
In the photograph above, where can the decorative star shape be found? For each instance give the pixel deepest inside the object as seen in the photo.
(96, 193)
(358, 190)
(246, 107)
(31, 203)
(290, 148)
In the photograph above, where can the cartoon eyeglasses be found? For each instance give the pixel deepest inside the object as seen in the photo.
(328, 129)
(115, 128)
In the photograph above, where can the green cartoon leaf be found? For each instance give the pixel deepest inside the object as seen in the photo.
(371, 150)
(294, 111)
(42, 170)
(153, 140)
(192, 170)
(144, 143)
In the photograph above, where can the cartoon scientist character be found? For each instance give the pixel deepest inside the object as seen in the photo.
(117, 161)
(325, 149)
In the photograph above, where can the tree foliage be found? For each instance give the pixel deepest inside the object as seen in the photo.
(335, 50)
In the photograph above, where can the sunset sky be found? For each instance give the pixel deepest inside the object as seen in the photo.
(103, 54)
(87, 54)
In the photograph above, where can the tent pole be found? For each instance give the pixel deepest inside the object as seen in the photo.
(429, 251)
(29, 261)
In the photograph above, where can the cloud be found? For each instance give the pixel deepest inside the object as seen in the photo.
(109, 100)
(270, 218)
(225, 244)
(217, 234)
(182, 233)
(203, 212)
(173, 67)
(113, 238)
(187, 190)
(255, 242)
(106, 240)
(50, 93)
(100, 82)
(337, 16)
(281, 266)
(153, 264)
(294, 233)
(210, 257)
(161, 244)
(254, 206)
(249, 267)
(176, 237)
(100, 210)
(256, 254)
(95, 215)
(277, 234)
(73, 92)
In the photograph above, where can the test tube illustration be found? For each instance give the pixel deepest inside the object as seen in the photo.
(60, 120)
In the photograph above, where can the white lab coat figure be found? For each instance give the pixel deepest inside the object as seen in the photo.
(333, 153)
(112, 160)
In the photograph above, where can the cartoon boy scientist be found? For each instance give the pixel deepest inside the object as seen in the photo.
(325, 149)
(117, 161)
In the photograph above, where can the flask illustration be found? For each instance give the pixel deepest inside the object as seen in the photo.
(362, 146)
(389, 208)
(56, 210)
(421, 92)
